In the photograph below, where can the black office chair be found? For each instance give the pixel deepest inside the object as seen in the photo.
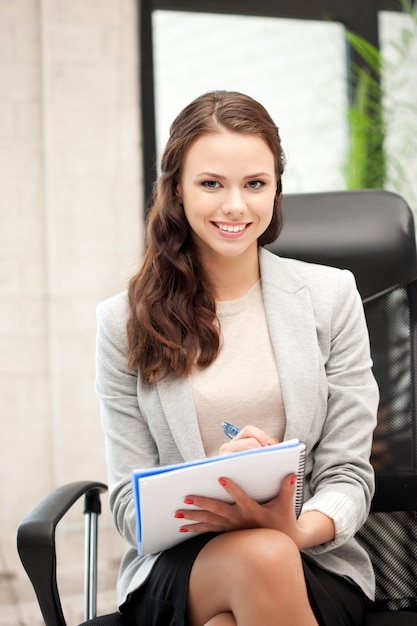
(372, 234)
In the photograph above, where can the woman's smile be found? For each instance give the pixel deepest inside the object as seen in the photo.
(230, 229)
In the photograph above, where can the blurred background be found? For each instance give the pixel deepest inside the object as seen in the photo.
(88, 89)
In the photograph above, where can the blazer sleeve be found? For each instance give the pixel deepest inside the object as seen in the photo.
(342, 479)
(128, 442)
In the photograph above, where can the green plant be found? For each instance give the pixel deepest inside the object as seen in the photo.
(373, 114)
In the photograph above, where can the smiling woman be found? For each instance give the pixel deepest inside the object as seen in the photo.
(214, 328)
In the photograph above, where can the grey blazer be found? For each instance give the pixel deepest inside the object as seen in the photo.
(320, 340)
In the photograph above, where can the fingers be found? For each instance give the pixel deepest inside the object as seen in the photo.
(286, 491)
(237, 494)
(201, 521)
(240, 510)
(236, 511)
(256, 434)
(288, 487)
(207, 514)
(248, 438)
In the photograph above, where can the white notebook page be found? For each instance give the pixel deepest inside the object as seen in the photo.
(160, 491)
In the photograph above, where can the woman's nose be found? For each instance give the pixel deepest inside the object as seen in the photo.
(234, 203)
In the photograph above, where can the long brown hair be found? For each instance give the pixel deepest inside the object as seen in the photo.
(172, 323)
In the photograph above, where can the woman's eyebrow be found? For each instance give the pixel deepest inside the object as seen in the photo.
(258, 174)
(211, 174)
(214, 175)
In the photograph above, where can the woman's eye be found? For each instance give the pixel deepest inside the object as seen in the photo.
(255, 184)
(211, 184)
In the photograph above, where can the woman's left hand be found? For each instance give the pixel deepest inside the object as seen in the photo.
(217, 516)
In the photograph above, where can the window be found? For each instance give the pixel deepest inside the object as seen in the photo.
(290, 56)
(398, 36)
(297, 69)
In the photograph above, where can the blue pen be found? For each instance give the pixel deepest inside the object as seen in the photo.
(230, 430)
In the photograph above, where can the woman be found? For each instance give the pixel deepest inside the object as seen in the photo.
(216, 328)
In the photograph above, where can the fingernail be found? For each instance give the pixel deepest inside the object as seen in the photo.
(183, 530)
(271, 442)
(179, 515)
(293, 480)
(188, 501)
(223, 482)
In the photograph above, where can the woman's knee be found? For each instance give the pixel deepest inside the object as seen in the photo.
(264, 552)
(258, 552)
(238, 567)
(268, 542)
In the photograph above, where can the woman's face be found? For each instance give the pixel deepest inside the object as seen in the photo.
(227, 187)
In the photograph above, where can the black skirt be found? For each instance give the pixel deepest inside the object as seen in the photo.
(162, 600)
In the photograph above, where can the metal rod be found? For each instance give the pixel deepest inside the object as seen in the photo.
(90, 570)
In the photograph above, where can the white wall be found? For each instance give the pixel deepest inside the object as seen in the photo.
(70, 235)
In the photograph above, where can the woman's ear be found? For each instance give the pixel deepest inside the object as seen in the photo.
(178, 191)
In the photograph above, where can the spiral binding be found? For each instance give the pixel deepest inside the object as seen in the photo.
(299, 490)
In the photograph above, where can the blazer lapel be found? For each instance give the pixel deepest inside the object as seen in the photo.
(292, 328)
(177, 402)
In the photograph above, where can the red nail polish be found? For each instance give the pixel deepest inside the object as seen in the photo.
(183, 530)
(188, 501)
(293, 480)
(179, 515)
(223, 482)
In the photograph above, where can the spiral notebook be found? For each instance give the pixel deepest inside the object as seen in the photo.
(160, 491)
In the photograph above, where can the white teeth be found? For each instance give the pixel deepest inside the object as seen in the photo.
(231, 229)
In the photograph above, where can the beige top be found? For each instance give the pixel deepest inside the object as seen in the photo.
(242, 385)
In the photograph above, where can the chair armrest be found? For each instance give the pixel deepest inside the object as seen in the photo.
(36, 543)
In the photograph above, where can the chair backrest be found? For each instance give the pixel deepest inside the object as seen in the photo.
(371, 232)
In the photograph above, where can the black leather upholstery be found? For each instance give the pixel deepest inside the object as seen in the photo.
(370, 232)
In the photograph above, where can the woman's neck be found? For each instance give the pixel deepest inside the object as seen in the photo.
(231, 278)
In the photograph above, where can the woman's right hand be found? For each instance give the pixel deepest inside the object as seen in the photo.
(248, 438)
